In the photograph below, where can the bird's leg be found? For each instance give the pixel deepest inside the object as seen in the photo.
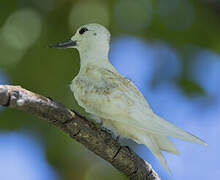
(128, 148)
(104, 128)
(118, 138)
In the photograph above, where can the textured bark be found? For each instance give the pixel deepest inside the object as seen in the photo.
(94, 138)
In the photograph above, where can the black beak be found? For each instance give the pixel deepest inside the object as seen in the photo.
(65, 44)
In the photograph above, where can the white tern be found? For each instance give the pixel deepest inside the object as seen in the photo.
(115, 100)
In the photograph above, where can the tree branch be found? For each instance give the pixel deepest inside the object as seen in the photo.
(85, 132)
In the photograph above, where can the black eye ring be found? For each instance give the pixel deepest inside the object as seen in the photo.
(83, 30)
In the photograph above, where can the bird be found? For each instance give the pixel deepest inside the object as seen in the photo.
(115, 100)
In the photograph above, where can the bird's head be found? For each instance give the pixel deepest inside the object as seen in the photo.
(87, 37)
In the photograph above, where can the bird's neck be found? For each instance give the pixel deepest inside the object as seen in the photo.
(95, 56)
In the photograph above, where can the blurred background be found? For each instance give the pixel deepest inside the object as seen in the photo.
(169, 48)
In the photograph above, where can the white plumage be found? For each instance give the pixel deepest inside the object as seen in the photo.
(104, 93)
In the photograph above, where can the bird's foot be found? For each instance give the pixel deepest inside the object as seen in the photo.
(106, 130)
(128, 148)
(118, 138)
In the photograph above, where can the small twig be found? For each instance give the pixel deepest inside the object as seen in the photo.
(98, 141)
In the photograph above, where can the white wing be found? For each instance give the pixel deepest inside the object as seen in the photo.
(110, 96)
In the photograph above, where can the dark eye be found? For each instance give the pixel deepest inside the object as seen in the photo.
(81, 31)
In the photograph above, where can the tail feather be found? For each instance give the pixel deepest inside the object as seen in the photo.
(171, 130)
(165, 144)
(150, 142)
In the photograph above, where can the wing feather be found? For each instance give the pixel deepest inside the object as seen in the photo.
(116, 98)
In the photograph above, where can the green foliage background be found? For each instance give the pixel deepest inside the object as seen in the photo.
(49, 72)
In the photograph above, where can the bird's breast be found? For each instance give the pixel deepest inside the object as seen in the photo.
(88, 89)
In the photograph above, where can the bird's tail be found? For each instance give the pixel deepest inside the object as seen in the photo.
(159, 141)
(165, 144)
(156, 143)
(167, 129)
